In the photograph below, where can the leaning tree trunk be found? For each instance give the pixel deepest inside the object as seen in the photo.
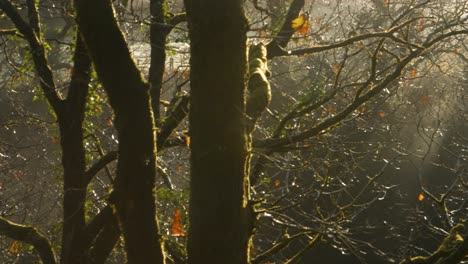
(133, 196)
(219, 227)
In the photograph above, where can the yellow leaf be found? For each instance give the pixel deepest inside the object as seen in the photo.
(298, 22)
(187, 141)
(301, 24)
(421, 197)
(414, 72)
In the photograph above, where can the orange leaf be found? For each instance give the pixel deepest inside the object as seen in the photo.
(109, 122)
(277, 183)
(421, 25)
(421, 197)
(387, 2)
(336, 67)
(179, 169)
(414, 73)
(187, 141)
(175, 70)
(363, 109)
(425, 100)
(455, 51)
(186, 73)
(55, 140)
(177, 229)
(14, 247)
(164, 74)
(330, 109)
(382, 114)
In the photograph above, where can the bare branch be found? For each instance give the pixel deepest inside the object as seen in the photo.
(29, 235)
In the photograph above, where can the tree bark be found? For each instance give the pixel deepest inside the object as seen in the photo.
(219, 212)
(133, 196)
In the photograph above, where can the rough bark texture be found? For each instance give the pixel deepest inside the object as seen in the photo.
(219, 226)
(133, 196)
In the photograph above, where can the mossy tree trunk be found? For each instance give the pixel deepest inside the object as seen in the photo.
(219, 225)
(133, 196)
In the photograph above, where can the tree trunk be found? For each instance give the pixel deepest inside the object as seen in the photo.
(133, 196)
(73, 158)
(219, 215)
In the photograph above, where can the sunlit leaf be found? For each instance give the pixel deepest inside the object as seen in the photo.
(177, 229)
(14, 247)
(382, 114)
(301, 24)
(187, 141)
(425, 100)
(277, 183)
(421, 197)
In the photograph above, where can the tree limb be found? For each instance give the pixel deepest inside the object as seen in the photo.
(29, 235)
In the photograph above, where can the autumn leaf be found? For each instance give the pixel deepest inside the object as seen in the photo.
(421, 25)
(336, 67)
(179, 169)
(386, 2)
(421, 197)
(186, 73)
(382, 114)
(363, 109)
(187, 141)
(177, 228)
(414, 73)
(277, 183)
(319, 21)
(301, 24)
(14, 247)
(55, 140)
(330, 109)
(425, 100)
